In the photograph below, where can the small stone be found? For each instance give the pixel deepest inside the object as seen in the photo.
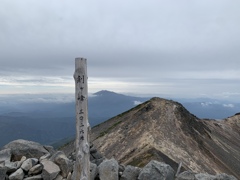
(5, 155)
(69, 176)
(59, 177)
(130, 173)
(37, 169)
(186, 175)
(50, 149)
(19, 163)
(50, 170)
(46, 156)
(29, 163)
(17, 175)
(108, 170)
(2, 164)
(156, 170)
(98, 161)
(93, 150)
(11, 166)
(63, 162)
(202, 176)
(3, 172)
(121, 168)
(96, 155)
(93, 171)
(225, 177)
(37, 177)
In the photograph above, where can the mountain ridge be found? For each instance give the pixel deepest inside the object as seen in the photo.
(167, 130)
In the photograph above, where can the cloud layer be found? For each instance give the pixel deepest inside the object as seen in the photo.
(187, 48)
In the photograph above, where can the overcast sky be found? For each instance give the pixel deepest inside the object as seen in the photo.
(175, 48)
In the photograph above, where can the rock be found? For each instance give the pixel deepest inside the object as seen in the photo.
(155, 170)
(73, 176)
(29, 163)
(96, 154)
(17, 175)
(26, 148)
(189, 175)
(11, 166)
(98, 161)
(121, 168)
(130, 173)
(63, 162)
(59, 177)
(50, 149)
(46, 156)
(92, 150)
(37, 177)
(93, 171)
(202, 176)
(72, 156)
(3, 172)
(37, 169)
(108, 170)
(50, 170)
(186, 175)
(69, 176)
(225, 177)
(19, 163)
(5, 155)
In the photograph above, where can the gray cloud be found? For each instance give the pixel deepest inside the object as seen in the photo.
(189, 46)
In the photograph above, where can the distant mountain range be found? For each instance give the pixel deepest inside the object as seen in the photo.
(48, 121)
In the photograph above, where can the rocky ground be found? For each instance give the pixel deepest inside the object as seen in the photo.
(26, 160)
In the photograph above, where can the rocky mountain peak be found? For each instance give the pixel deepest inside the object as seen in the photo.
(164, 130)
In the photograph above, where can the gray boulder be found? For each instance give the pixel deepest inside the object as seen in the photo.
(11, 166)
(108, 170)
(50, 170)
(155, 170)
(50, 149)
(98, 161)
(29, 163)
(189, 175)
(186, 175)
(37, 177)
(26, 148)
(5, 155)
(93, 171)
(225, 177)
(59, 177)
(17, 175)
(37, 169)
(63, 162)
(46, 156)
(130, 173)
(19, 163)
(69, 176)
(3, 172)
(202, 176)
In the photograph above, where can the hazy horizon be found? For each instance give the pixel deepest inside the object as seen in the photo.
(70, 97)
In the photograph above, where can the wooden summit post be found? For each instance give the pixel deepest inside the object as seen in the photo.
(82, 165)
